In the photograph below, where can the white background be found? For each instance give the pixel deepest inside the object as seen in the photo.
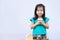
(15, 15)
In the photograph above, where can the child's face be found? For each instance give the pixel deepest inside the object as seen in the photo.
(39, 11)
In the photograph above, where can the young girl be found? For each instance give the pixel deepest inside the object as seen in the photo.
(39, 23)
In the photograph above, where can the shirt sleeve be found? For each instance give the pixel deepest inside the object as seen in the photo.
(32, 20)
(47, 19)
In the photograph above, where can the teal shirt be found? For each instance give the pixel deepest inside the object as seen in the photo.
(39, 29)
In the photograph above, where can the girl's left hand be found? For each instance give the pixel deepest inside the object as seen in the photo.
(40, 22)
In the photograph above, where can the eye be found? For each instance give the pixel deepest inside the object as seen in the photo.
(41, 10)
(38, 9)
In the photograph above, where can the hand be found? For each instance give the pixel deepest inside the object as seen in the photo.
(39, 22)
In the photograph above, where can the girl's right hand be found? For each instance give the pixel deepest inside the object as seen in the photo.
(33, 25)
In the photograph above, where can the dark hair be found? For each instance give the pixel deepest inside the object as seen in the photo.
(35, 14)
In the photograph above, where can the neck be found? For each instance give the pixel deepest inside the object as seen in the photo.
(39, 17)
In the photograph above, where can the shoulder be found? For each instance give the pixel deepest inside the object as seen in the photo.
(46, 19)
(32, 19)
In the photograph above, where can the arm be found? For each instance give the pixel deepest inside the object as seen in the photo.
(46, 25)
(33, 25)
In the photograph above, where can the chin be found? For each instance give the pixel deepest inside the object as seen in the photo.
(40, 16)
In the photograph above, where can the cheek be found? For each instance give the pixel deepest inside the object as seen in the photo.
(37, 12)
(42, 12)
